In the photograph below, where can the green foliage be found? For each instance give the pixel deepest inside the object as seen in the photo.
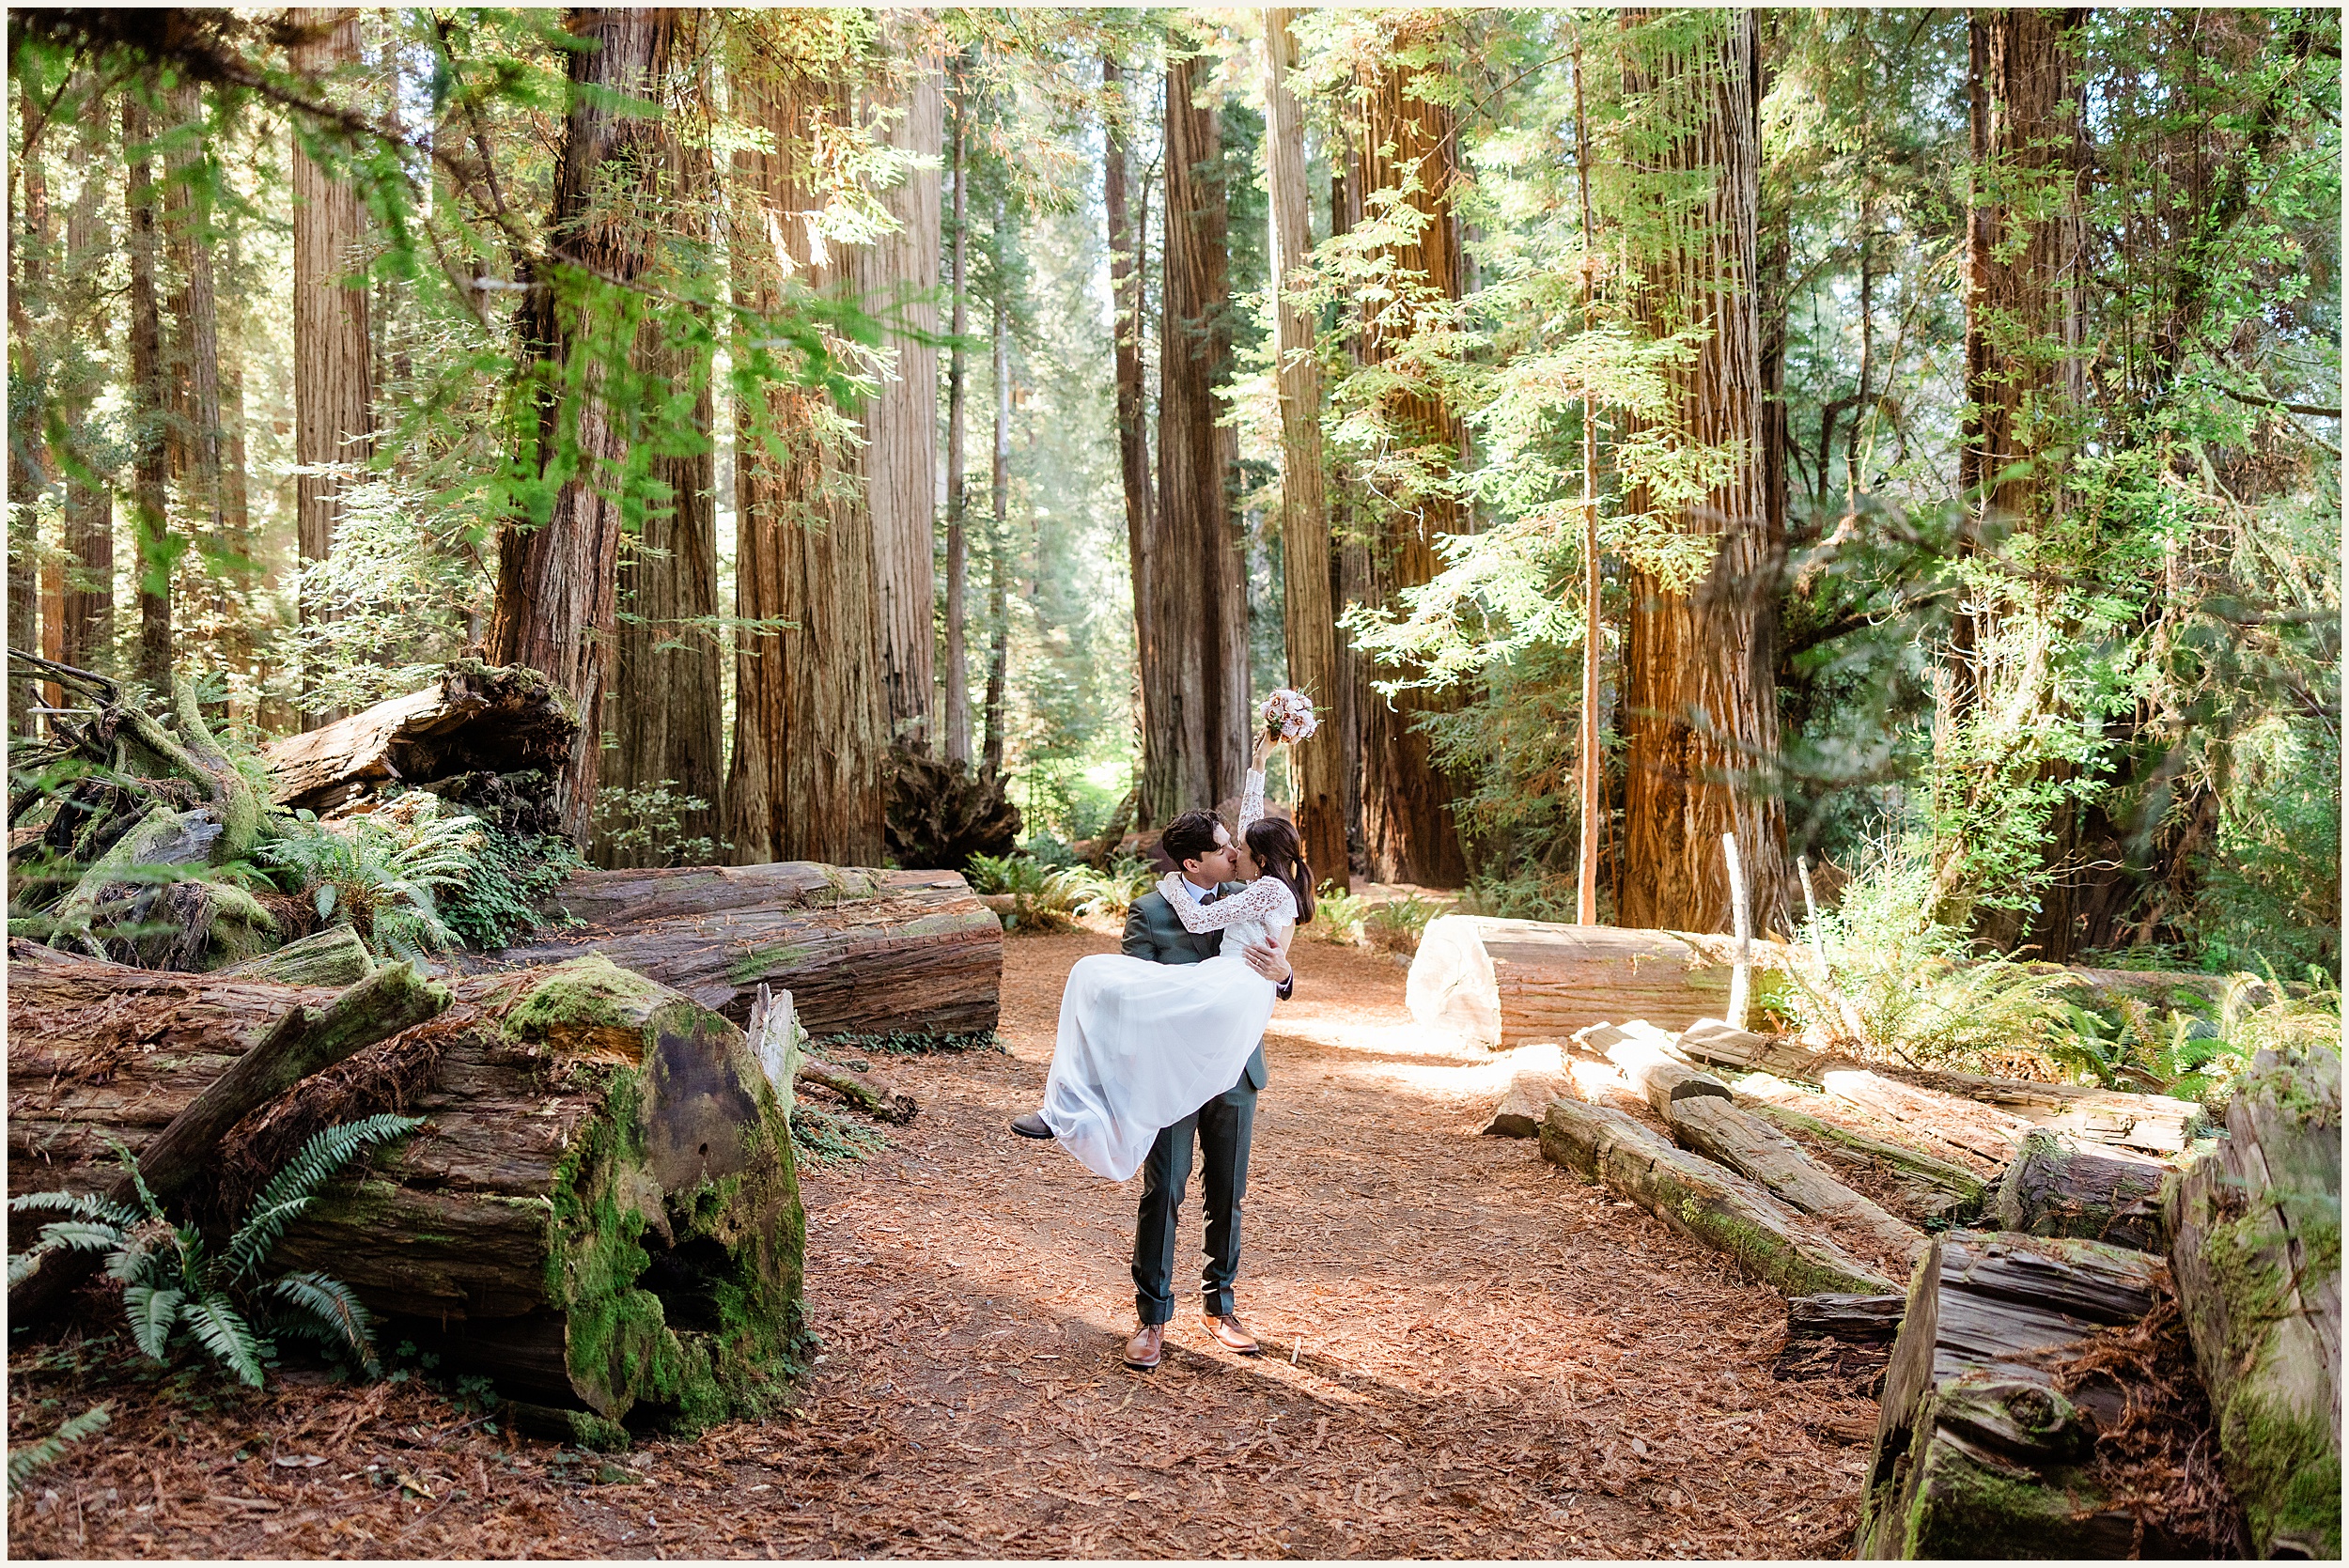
(1338, 916)
(824, 1136)
(171, 1279)
(511, 873)
(898, 1043)
(1396, 925)
(28, 1459)
(649, 818)
(378, 872)
(1043, 898)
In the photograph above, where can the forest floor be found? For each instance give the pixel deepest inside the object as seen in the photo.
(1468, 1353)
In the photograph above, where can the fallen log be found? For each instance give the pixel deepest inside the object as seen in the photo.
(2054, 1187)
(1760, 1153)
(2156, 1122)
(1712, 1043)
(1507, 983)
(1785, 1105)
(1520, 1110)
(335, 956)
(600, 1213)
(872, 953)
(1661, 1078)
(1838, 1335)
(1982, 1132)
(1986, 1447)
(1768, 1240)
(303, 1040)
(2256, 1223)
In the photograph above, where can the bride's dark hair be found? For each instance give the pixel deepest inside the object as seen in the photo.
(1274, 842)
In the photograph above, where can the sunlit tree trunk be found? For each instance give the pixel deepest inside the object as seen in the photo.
(1349, 567)
(811, 724)
(149, 401)
(333, 359)
(666, 700)
(1309, 622)
(194, 369)
(1699, 705)
(556, 607)
(1408, 830)
(28, 460)
(1129, 237)
(900, 274)
(1195, 723)
(999, 534)
(88, 620)
(957, 681)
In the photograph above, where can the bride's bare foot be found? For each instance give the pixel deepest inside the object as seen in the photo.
(1030, 1125)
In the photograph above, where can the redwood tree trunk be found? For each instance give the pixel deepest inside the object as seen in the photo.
(1129, 232)
(558, 605)
(1309, 622)
(27, 237)
(149, 399)
(195, 346)
(1195, 695)
(899, 273)
(87, 633)
(811, 723)
(1408, 830)
(334, 363)
(957, 531)
(666, 699)
(1349, 572)
(1699, 709)
(999, 533)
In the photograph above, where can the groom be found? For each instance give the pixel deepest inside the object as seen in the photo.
(1199, 844)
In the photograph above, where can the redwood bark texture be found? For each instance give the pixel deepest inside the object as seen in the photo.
(557, 594)
(666, 700)
(811, 724)
(1194, 650)
(194, 374)
(1128, 234)
(1317, 765)
(150, 402)
(1700, 710)
(28, 238)
(1408, 830)
(333, 363)
(87, 633)
(957, 677)
(898, 274)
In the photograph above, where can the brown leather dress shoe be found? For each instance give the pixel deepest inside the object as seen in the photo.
(1147, 1345)
(1230, 1335)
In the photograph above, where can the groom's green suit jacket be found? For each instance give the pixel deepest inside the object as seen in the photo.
(1154, 932)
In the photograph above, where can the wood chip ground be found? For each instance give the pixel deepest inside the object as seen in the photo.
(1467, 1354)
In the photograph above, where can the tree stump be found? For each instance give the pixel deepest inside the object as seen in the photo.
(1501, 984)
(2256, 1223)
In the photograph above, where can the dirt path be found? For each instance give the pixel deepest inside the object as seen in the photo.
(1468, 1353)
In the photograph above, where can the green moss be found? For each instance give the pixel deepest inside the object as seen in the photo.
(590, 993)
(1962, 1508)
(761, 963)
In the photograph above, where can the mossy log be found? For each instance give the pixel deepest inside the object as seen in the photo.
(862, 952)
(1501, 984)
(335, 956)
(1746, 1143)
(874, 1099)
(1978, 1453)
(1766, 1239)
(2156, 1124)
(1982, 1136)
(2256, 1226)
(600, 1213)
(1962, 1192)
(2055, 1186)
(476, 718)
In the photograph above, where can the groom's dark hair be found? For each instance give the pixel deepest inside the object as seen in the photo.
(1190, 837)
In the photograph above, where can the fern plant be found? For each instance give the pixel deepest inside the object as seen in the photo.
(380, 873)
(171, 1277)
(27, 1460)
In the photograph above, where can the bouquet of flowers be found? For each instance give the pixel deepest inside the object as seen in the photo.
(1288, 715)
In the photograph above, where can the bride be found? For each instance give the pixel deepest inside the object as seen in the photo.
(1142, 1045)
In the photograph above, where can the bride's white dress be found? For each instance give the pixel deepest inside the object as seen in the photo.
(1142, 1045)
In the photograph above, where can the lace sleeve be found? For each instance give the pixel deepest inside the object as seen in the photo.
(1252, 800)
(1267, 898)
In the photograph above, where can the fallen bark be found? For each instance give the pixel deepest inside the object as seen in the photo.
(874, 1099)
(2154, 1123)
(2257, 1251)
(1507, 983)
(1713, 1043)
(1979, 1451)
(1982, 1132)
(1838, 1335)
(600, 1213)
(1764, 1237)
(1754, 1149)
(862, 952)
(2054, 1187)
(1784, 1104)
(303, 1040)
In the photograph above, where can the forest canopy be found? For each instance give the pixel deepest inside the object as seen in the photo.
(1905, 440)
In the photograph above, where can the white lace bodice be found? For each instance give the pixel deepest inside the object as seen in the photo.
(1265, 907)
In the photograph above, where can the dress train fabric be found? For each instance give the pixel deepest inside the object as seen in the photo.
(1142, 1045)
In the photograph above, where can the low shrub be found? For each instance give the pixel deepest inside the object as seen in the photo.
(1396, 925)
